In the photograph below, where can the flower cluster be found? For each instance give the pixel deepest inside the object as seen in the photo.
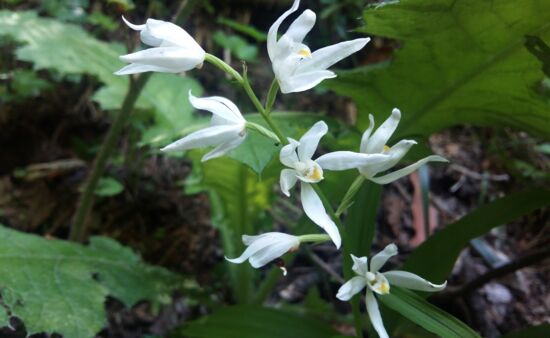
(296, 69)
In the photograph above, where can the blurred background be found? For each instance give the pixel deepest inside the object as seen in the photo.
(473, 97)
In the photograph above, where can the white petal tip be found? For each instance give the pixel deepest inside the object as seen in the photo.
(133, 26)
(391, 248)
(310, 15)
(396, 113)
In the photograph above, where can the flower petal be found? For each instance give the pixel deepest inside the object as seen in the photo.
(395, 154)
(411, 281)
(288, 180)
(360, 265)
(310, 140)
(325, 57)
(344, 160)
(288, 155)
(301, 26)
(133, 26)
(381, 136)
(135, 68)
(350, 288)
(272, 252)
(168, 34)
(314, 209)
(223, 148)
(393, 176)
(366, 135)
(374, 315)
(205, 137)
(256, 244)
(302, 82)
(175, 58)
(272, 33)
(382, 257)
(218, 105)
(265, 247)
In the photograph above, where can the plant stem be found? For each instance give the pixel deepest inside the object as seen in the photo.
(314, 238)
(347, 201)
(216, 61)
(85, 202)
(271, 96)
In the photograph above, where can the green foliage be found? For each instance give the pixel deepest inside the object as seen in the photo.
(430, 317)
(540, 331)
(108, 186)
(252, 322)
(461, 62)
(24, 84)
(238, 46)
(238, 200)
(446, 244)
(244, 29)
(59, 286)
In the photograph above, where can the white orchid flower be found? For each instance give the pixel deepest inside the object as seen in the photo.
(297, 156)
(379, 283)
(227, 128)
(266, 247)
(296, 68)
(381, 156)
(175, 50)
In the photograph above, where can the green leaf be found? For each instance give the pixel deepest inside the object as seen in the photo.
(252, 322)
(108, 186)
(435, 258)
(60, 286)
(244, 29)
(238, 200)
(540, 331)
(257, 151)
(430, 317)
(237, 45)
(461, 62)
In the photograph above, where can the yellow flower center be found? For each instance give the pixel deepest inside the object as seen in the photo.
(314, 174)
(304, 52)
(387, 148)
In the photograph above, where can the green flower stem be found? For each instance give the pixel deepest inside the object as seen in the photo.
(271, 96)
(314, 238)
(86, 199)
(358, 322)
(262, 130)
(347, 201)
(224, 67)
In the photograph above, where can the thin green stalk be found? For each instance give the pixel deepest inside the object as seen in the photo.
(314, 238)
(347, 201)
(86, 200)
(271, 96)
(216, 61)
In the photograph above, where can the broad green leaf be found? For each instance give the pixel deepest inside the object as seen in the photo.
(238, 200)
(252, 322)
(244, 29)
(68, 49)
(59, 286)
(435, 258)
(461, 62)
(257, 151)
(540, 331)
(108, 186)
(430, 317)
(238, 46)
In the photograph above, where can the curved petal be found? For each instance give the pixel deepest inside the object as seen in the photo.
(374, 315)
(135, 68)
(382, 257)
(360, 265)
(393, 176)
(205, 137)
(288, 155)
(272, 33)
(411, 281)
(301, 26)
(366, 135)
(344, 160)
(269, 253)
(381, 136)
(350, 288)
(303, 82)
(256, 244)
(314, 209)
(310, 140)
(175, 58)
(325, 57)
(395, 154)
(168, 34)
(223, 148)
(218, 105)
(133, 26)
(288, 180)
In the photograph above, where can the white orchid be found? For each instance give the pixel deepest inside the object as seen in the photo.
(296, 68)
(381, 156)
(297, 156)
(176, 51)
(379, 283)
(227, 128)
(266, 247)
